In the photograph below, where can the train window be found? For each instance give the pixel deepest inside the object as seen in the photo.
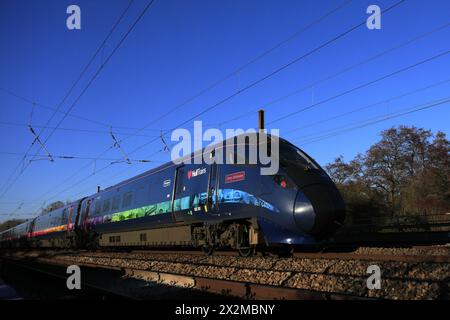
(97, 207)
(143, 237)
(291, 154)
(114, 239)
(65, 215)
(115, 203)
(106, 205)
(127, 199)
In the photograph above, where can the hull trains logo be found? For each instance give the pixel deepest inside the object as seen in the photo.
(196, 172)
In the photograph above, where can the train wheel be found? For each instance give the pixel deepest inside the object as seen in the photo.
(208, 249)
(246, 252)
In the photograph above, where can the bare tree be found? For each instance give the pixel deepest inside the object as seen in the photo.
(407, 171)
(10, 224)
(52, 206)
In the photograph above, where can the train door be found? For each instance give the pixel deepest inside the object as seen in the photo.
(31, 228)
(212, 192)
(86, 215)
(69, 221)
(76, 216)
(83, 216)
(179, 188)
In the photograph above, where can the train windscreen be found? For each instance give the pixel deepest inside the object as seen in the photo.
(290, 154)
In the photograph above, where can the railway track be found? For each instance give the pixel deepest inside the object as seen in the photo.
(438, 253)
(407, 273)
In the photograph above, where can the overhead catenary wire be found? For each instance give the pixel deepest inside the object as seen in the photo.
(387, 100)
(254, 83)
(83, 71)
(21, 215)
(107, 179)
(17, 209)
(376, 120)
(246, 65)
(366, 84)
(11, 202)
(418, 108)
(371, 121)
(71, 157)
(90, 131)
(94, 121)
(42, 144)
(366, 60)
(215, 84)
(273, 73)
(78, 182)
(38, 104)
(347, 91)
(130, 29)
(330, 77)
(8, 185)
(388, 113)
(103, 64)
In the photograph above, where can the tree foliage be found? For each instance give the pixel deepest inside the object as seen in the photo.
(406, 172)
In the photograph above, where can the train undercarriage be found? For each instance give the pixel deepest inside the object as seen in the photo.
(243, 236)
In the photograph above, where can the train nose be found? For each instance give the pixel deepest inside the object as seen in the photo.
(304, 214)
(318, 210)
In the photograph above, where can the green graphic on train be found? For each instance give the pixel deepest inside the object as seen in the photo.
(185, 203)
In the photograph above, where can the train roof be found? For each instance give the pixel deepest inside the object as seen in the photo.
(171, 163)
(21, 225)
(41, 216)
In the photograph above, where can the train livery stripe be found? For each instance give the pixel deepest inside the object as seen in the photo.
(49, 230)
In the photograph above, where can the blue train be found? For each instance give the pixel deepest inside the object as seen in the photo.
(207, 206)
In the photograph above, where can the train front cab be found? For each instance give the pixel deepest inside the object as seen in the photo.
(310, 204)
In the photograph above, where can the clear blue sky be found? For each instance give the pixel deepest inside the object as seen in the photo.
(181, 47)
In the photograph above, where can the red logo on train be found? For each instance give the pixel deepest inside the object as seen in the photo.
(234, 177)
